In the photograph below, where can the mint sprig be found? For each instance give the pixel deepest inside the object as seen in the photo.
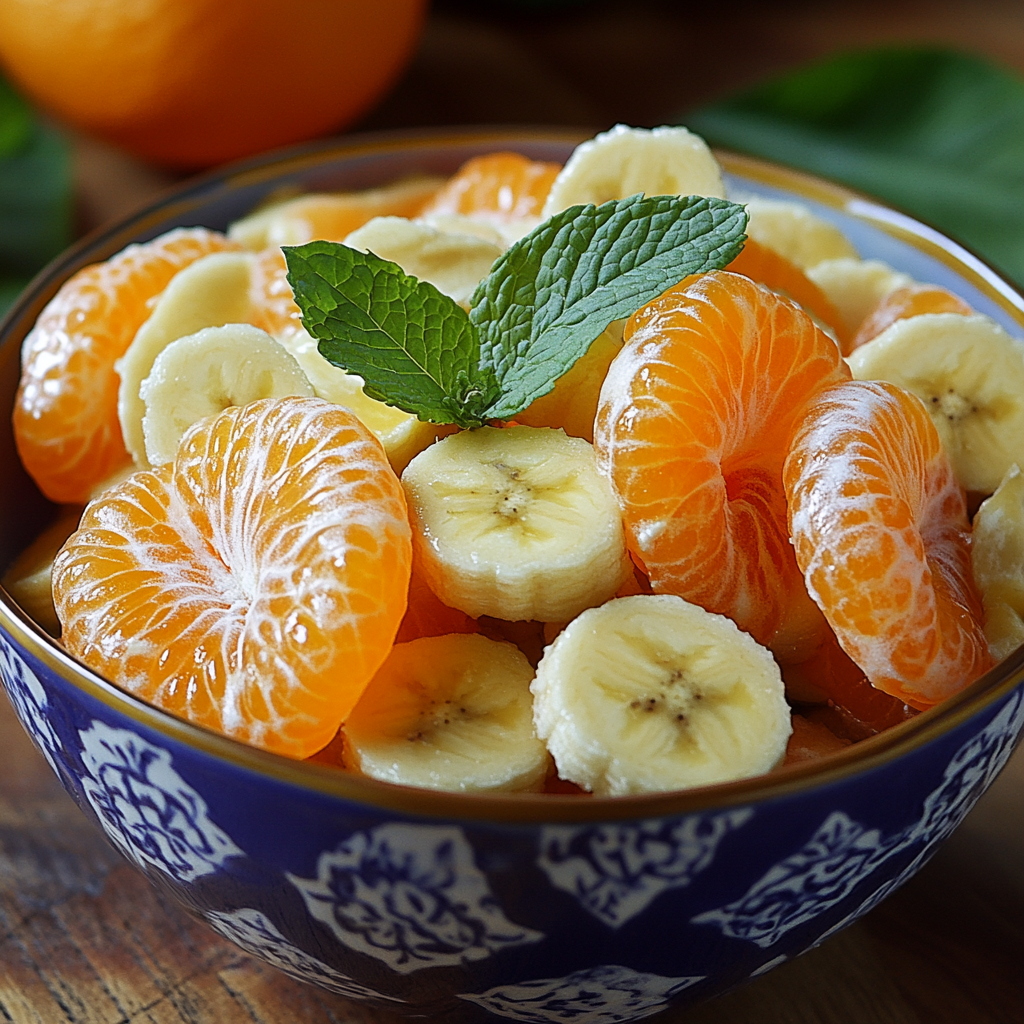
(531, 318)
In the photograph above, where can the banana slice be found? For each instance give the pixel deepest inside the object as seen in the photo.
(572, 404)
(856, 286)
(28, 578)
(454, 263)
(208, 293)
(449, 712)
(651, 693)
(997, 555)
(793, 231)
(402, 434)
(204, 373)
(461, 224)
(970, 375)
(330, 215)
(515, 523)
(624, 161)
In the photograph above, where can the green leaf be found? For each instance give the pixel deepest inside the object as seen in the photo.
(557, 289)
(936, 133)
(413, 347)
(35, 189)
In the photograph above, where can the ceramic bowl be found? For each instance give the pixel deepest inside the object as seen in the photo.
(525, 908)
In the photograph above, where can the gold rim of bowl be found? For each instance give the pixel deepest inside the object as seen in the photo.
(865, 756)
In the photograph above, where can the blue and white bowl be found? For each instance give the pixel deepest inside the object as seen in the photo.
(524, 908)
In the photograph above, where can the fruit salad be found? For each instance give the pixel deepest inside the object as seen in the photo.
(578, 479)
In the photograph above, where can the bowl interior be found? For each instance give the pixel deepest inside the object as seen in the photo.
(217, 199)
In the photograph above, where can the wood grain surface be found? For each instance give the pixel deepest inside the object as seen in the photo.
(84, 938)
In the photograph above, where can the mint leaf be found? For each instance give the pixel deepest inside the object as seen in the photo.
(557, 289)
(936, 133)
(412, 345)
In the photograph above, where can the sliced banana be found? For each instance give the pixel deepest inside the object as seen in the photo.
(515, 523)
(621, 162)
(330, 215)
(856, 286)
(793, 231)
(651, 693)
(454, 263)
(28, 578)
(572, 404)
(997, 555)
(208, 293)
(462, 224)
(449, 712)
(970, 375)
(402, 434)
(204, 373)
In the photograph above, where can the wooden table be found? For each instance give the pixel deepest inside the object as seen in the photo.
(85, 939)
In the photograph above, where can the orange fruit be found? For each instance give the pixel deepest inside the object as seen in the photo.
(811, 741)
(274, 308)
(498, 187)
(252, 586)
(880, 530)
(767, 267)
(427, 615)
(191, 83)
(693, 428)
(331, 216)
(910, 300)
(65, 414)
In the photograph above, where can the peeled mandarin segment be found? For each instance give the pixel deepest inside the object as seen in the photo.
(880, 530)
(767, 267)
(908, 301)
(427, 615)
(693, 427)
(500, 188)
(330, 216)
(839, 681)
(450, 713)
(65, 416)
(253, 586)
(795, 233)
(274, 308)
(997, 557)
(811, 741)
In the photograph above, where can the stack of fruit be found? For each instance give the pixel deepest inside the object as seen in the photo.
(676, 505)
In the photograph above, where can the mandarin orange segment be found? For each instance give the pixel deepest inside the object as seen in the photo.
(693, 428)
(880, 530)
(253, 586)
(767, 267)
(65, 414)
(274, 308)
(910, 300)
(499, 187)
(427, 615)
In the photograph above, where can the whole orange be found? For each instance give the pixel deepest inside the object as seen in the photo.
(190, 83)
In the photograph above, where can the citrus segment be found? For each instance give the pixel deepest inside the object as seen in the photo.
(500, 188)
(426, 615)
(65, 416)
(331, 216)
(880, 530)
(274, 308)
(693, 428)
(254, 585)
(767, 267)
(910, 300)
(811, 741)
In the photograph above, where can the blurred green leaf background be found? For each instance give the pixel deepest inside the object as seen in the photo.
(35, 194)
(936, 133)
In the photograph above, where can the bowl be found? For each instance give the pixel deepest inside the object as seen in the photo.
(521, 907)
